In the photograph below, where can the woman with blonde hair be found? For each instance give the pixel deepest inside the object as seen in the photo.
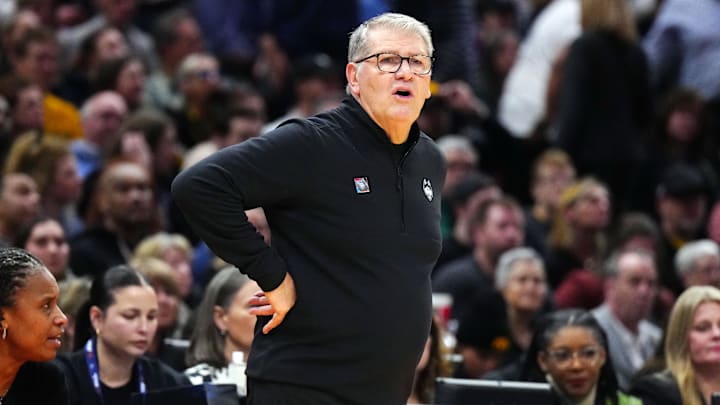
(175, 250)
(692, 352)
(172, 316)
(577, 236)
(50, 162)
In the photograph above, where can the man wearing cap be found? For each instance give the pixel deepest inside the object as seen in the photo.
(681, 200)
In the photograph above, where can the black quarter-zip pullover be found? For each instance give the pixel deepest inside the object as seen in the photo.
(357, 228)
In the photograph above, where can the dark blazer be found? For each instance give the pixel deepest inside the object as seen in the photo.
(81, 392)
(658, 389)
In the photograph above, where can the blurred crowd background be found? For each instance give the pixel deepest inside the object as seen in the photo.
(581, 140)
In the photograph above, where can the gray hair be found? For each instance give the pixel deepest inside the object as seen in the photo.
(507, 262)
(453, 142)
(686, 257)
(359, 47)
(611, 266)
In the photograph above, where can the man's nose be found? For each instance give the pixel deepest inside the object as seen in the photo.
(404, 70)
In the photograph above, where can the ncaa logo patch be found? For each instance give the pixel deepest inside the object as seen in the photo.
(427, 189)
(362, 186)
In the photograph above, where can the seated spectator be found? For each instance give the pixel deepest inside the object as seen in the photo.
(175, 250)
(577, 236)
(520, 279)
(35, 58)
(45, 238)
(198, 79)
(105, 44)
(124, 75)
(483, 338)
(102, 115)
(109, 13)
(693, 363)
(630, 290)
(160, 136)
(569, 349)
(681, 135)
(25, 110)
(168, 345)
(73, 295)
(177, 35)
(122, 213)
(698, 263)
(14, 27)
(19, 204)
(230, 126)
(635, 230)
(223, 325)
(114, 330)
(462, 202)
(460, 157)
(496, 227)
(315, 82)
(681, 199)
(49, 161)
(552, 173)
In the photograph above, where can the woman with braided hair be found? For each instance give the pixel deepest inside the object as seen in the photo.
(31, 330)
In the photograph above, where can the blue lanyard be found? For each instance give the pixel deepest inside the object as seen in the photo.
(94, 370)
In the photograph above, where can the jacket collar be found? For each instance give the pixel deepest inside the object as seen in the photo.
(351, 105)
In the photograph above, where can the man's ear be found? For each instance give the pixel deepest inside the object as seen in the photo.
(351, 71)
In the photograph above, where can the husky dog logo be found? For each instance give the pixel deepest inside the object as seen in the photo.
(427, 189)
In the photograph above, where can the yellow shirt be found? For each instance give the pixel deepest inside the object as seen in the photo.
(61, 118)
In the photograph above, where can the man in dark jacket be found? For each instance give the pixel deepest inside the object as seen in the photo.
(353, 200)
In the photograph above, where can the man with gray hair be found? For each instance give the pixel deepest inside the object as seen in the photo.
(698, 263)
(630, 289)
(352, 196)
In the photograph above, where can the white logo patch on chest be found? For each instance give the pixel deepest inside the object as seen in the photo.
(427, 189)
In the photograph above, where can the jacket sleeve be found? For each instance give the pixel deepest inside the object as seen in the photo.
(262, 172)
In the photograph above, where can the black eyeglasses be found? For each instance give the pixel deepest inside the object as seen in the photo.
(392, 62)
(563, 357)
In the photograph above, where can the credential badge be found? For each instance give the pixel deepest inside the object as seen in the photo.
(427, 189)
(361, 185)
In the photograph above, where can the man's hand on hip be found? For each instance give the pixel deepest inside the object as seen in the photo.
(277, 303)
